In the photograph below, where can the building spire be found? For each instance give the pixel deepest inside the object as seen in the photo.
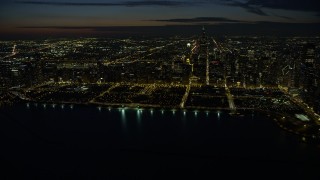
(203, 31)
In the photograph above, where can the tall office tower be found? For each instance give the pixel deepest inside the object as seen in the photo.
(287, 76)
(230, 68)
(203, 46)
(200, 59)
(309, 77)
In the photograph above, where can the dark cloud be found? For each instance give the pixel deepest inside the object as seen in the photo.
(256, 11)
(155, 3)
(256, 6)
(250, 8)
(299, 5)
(127, 3)
(64, 3)
(284, 17)
(199, 20)
(57, 27)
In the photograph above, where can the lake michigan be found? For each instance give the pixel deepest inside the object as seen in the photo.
(86, 142)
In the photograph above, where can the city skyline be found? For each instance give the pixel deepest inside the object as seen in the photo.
(155, 17)
(145, 89)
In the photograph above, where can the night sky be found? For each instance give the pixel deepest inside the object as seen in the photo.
(108, 17)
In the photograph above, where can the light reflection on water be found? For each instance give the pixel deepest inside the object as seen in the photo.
(139, 114)
(123, 119)
(173, 111)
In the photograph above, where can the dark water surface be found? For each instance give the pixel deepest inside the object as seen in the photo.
(87, 143)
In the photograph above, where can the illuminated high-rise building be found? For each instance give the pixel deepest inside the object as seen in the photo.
(200, 58)
(203, 46)
(310, 80)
